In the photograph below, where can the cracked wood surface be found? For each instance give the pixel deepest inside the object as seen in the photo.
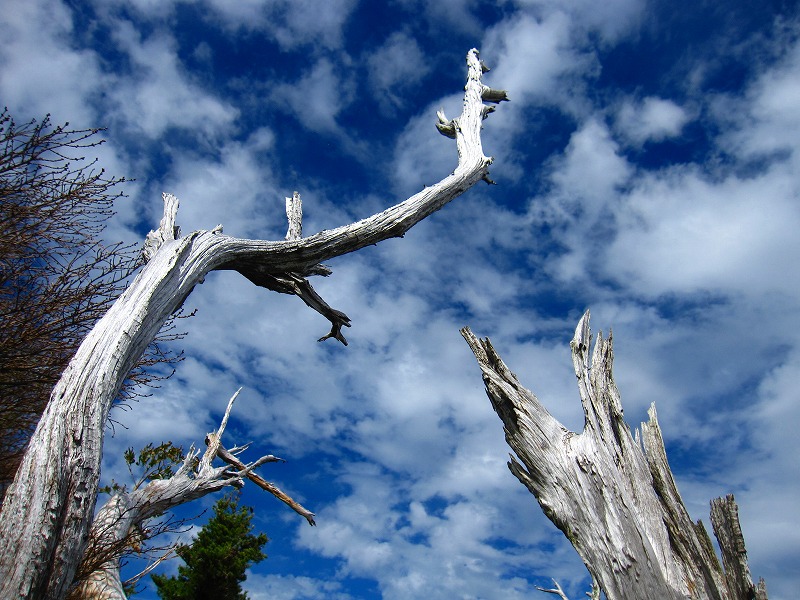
(611, 493)
(48, 509)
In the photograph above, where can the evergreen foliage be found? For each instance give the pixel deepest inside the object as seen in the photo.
(217, 559)
(152, 462)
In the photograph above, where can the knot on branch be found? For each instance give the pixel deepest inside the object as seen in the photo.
(494, 96)
(447, 127)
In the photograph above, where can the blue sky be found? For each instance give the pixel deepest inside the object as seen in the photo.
(648, 169)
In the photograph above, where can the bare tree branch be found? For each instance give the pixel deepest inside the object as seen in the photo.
(57, 274)
(557, 590)
(48, 508)
(126, 512)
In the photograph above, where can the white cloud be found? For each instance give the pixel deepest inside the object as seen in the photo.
(447, 15)
(766, 120)
(316, 98)
(530, 58)
(152, 10)
(292, 23)
(588, 179)
(592, 168)
(40, 65)
(680, 232)
(654, 119)
(399, 415)
(234, 187)
(537, 60)
(289, 587)
(611, 19)
(158, 94)
(395, 67)
(424, 545)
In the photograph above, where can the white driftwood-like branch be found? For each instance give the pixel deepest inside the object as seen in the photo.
(127, 510)
(558, 591)
(48, 508)
(611, 494)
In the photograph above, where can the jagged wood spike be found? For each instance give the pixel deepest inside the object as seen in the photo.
(612, 494)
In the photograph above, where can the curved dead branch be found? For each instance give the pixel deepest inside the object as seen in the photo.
(48, 509)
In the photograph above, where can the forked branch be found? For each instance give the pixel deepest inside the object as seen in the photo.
(42, 537)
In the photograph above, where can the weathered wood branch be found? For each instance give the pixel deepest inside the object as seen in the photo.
(126, 511)
(594, 594)
(558, 591)
(611, 494)
(48, 509)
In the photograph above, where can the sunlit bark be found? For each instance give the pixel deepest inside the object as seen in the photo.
(611, 493)
(118, 522)
(48, 509)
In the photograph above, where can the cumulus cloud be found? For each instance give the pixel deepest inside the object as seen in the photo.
(316, 98)
(40, 64)
(764, 123)
(395, 67)
(233, 187)
(692, 265)
(531, 57)
(447, 15)
(654, 119)
(159, 94)
(289, 587)
(683, 233)
(292, 23)
(592, 168)
(588, 179)
(611, 19)
(441, 549)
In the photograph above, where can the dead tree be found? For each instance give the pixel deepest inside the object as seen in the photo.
(126, 513)
(613, 494)
(47, 512)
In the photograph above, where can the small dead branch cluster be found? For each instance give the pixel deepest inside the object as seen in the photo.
(124, 524)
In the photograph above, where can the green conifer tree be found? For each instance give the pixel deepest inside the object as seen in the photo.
(217, 559)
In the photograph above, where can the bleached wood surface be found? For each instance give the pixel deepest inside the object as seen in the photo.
(48, 509)
(195, 478)
(611, 493)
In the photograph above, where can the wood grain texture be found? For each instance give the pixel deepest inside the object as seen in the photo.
(48, 510)
(612, 493)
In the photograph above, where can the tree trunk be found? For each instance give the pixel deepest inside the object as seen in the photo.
(613, 495)
(47, 511)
